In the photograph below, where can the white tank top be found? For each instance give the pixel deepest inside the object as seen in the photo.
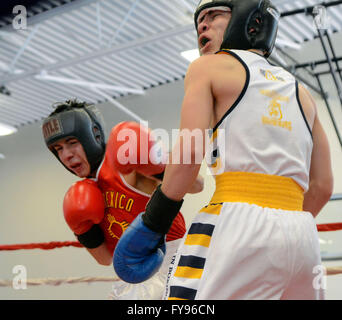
(265, 130)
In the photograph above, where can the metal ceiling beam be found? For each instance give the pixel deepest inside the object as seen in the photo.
(312, 12)
(322, 93)
(300, 78)
(315, 63)
(100, 53)
(337, 84)
(119, 105)
(286, 54)
(189, 9)
(88, 84)
(322, 73)
(109, 98)
(309, 10)
(123, 22)
(333, 54)
(23, 48)
(331, 114)
(99, 23)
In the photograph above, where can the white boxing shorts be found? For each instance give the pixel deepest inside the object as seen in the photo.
(242, 251)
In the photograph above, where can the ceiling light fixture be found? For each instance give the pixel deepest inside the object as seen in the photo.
(6, 129)
(190, 55)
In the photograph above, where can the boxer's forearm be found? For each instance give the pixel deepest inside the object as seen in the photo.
(183, 168)
(101, 254)
(197, 186)
(316, 198)
(179, 179)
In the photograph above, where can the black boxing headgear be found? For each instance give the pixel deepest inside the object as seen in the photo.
(83, 123)
(253, 23)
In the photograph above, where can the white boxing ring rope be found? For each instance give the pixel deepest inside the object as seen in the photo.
(56, 282)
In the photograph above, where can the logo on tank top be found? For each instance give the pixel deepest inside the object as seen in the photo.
(270, 76)
(116, 201)
(116, 228)
(275, 116)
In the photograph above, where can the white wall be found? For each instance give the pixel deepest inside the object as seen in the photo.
(33, 185)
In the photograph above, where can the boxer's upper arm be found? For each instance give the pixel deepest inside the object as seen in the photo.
(321, 177)
(198, 102)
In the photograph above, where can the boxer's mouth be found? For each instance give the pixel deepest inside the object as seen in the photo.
(203, 41)
(76, 166)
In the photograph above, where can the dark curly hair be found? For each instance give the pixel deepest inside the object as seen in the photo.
(68, 105)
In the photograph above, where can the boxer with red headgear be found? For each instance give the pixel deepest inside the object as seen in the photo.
(116, 186)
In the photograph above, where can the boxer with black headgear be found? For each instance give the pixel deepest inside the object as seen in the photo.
(253, 24)
(82, 122)
(99, 208)
(267, 150)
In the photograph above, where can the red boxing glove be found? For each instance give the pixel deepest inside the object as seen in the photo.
(83, 206)
(133, 147)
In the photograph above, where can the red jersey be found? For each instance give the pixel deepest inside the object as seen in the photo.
(123, 203)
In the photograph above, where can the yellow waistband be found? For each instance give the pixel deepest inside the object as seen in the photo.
(261, 189)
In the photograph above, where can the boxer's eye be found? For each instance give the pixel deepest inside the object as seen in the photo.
(201, 19)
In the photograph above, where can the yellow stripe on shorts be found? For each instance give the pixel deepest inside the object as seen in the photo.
(188, 272)
(199, 234)
(190, 266)
(198, 240)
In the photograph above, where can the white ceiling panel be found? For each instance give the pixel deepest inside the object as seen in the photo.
(134, 44)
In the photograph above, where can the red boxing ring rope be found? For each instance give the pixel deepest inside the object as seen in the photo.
(58, 244)
(329, 227)
(43, 245)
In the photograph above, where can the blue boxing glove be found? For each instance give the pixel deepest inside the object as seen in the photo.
(139, 253)
(141, 248)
